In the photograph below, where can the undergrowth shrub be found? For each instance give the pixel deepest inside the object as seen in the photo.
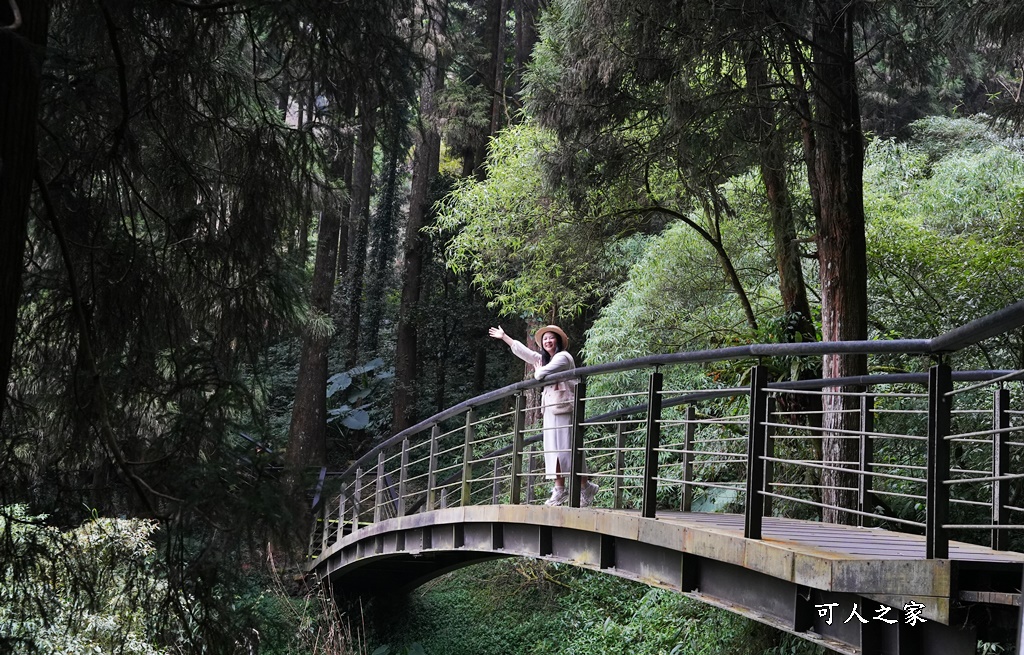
(526, 607)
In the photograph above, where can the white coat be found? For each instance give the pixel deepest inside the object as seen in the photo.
(557, 427)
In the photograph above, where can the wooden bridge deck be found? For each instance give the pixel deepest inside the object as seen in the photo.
(848, 542)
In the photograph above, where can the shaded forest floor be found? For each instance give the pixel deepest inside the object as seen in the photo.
(521, 607)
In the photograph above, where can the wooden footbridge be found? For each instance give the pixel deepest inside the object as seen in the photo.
(718, 494)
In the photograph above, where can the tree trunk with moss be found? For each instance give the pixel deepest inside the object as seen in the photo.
(307, 432)
(359, 226)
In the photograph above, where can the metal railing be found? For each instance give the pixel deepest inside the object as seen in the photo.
(937, 451)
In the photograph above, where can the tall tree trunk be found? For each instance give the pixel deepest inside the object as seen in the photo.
(343, 174)
(772, 164)
(359, 223)
(527, 14)
(798, 409)
(441, 342)
(307, 433)
(382, 234)
(21, 51)
(498, 67)
(489, 75)
(838, 172)
(427, 142)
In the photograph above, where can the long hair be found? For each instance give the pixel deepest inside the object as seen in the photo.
(545, 358)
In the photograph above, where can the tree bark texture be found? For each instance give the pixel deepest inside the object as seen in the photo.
(527, 13)
(307, 433)
(427, 142)
(343, 172)
(488, 74)
(839, 163)
(382, 234)
(772, 163)
(498, 68)
(359, 225)
(21, 57)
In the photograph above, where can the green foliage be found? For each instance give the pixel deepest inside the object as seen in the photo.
(352, 413)
(524, 245)
(490, 608)
(103, 588)
(87, 590)
(309, 623)
(945, 226)
(675, 298)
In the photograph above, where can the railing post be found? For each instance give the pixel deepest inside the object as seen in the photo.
(518, 420)
(435, 435)
(620, 464)
(769, 451)
(754, 512)
(578, 466)
(341, 511)
(940, 383)
(403, 478)
(689, 432)
(378, 494)
(495, 482)
(467, 459)
(312, 539)
(326, 536)
(867, 458)
(650, 489)
(357, 497)
(531, 468)
(1000, 467)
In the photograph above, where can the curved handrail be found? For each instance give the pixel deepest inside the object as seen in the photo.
(1003, 320)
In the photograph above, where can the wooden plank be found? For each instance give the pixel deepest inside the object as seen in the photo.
(851, 541)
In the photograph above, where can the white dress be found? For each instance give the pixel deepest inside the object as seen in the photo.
(557, 427)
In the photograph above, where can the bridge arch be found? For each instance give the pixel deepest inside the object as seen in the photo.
(778, 581)
(458, 488)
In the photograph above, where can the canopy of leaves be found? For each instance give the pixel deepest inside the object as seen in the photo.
(166, 252)
(83, 591)
(521, 242)
(945, 229)
(944, 238)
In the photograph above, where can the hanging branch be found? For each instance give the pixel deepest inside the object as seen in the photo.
(17, 16)
(122, 80)
(142, 489)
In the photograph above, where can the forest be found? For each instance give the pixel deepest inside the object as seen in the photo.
(244, 241)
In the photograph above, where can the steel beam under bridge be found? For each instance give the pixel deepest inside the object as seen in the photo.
(793, 584)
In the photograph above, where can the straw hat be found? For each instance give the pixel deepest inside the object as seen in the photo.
(551, 328)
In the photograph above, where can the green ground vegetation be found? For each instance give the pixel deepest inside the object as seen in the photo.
(525, 607)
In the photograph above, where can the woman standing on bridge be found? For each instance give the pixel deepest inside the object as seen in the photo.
(557, 427)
